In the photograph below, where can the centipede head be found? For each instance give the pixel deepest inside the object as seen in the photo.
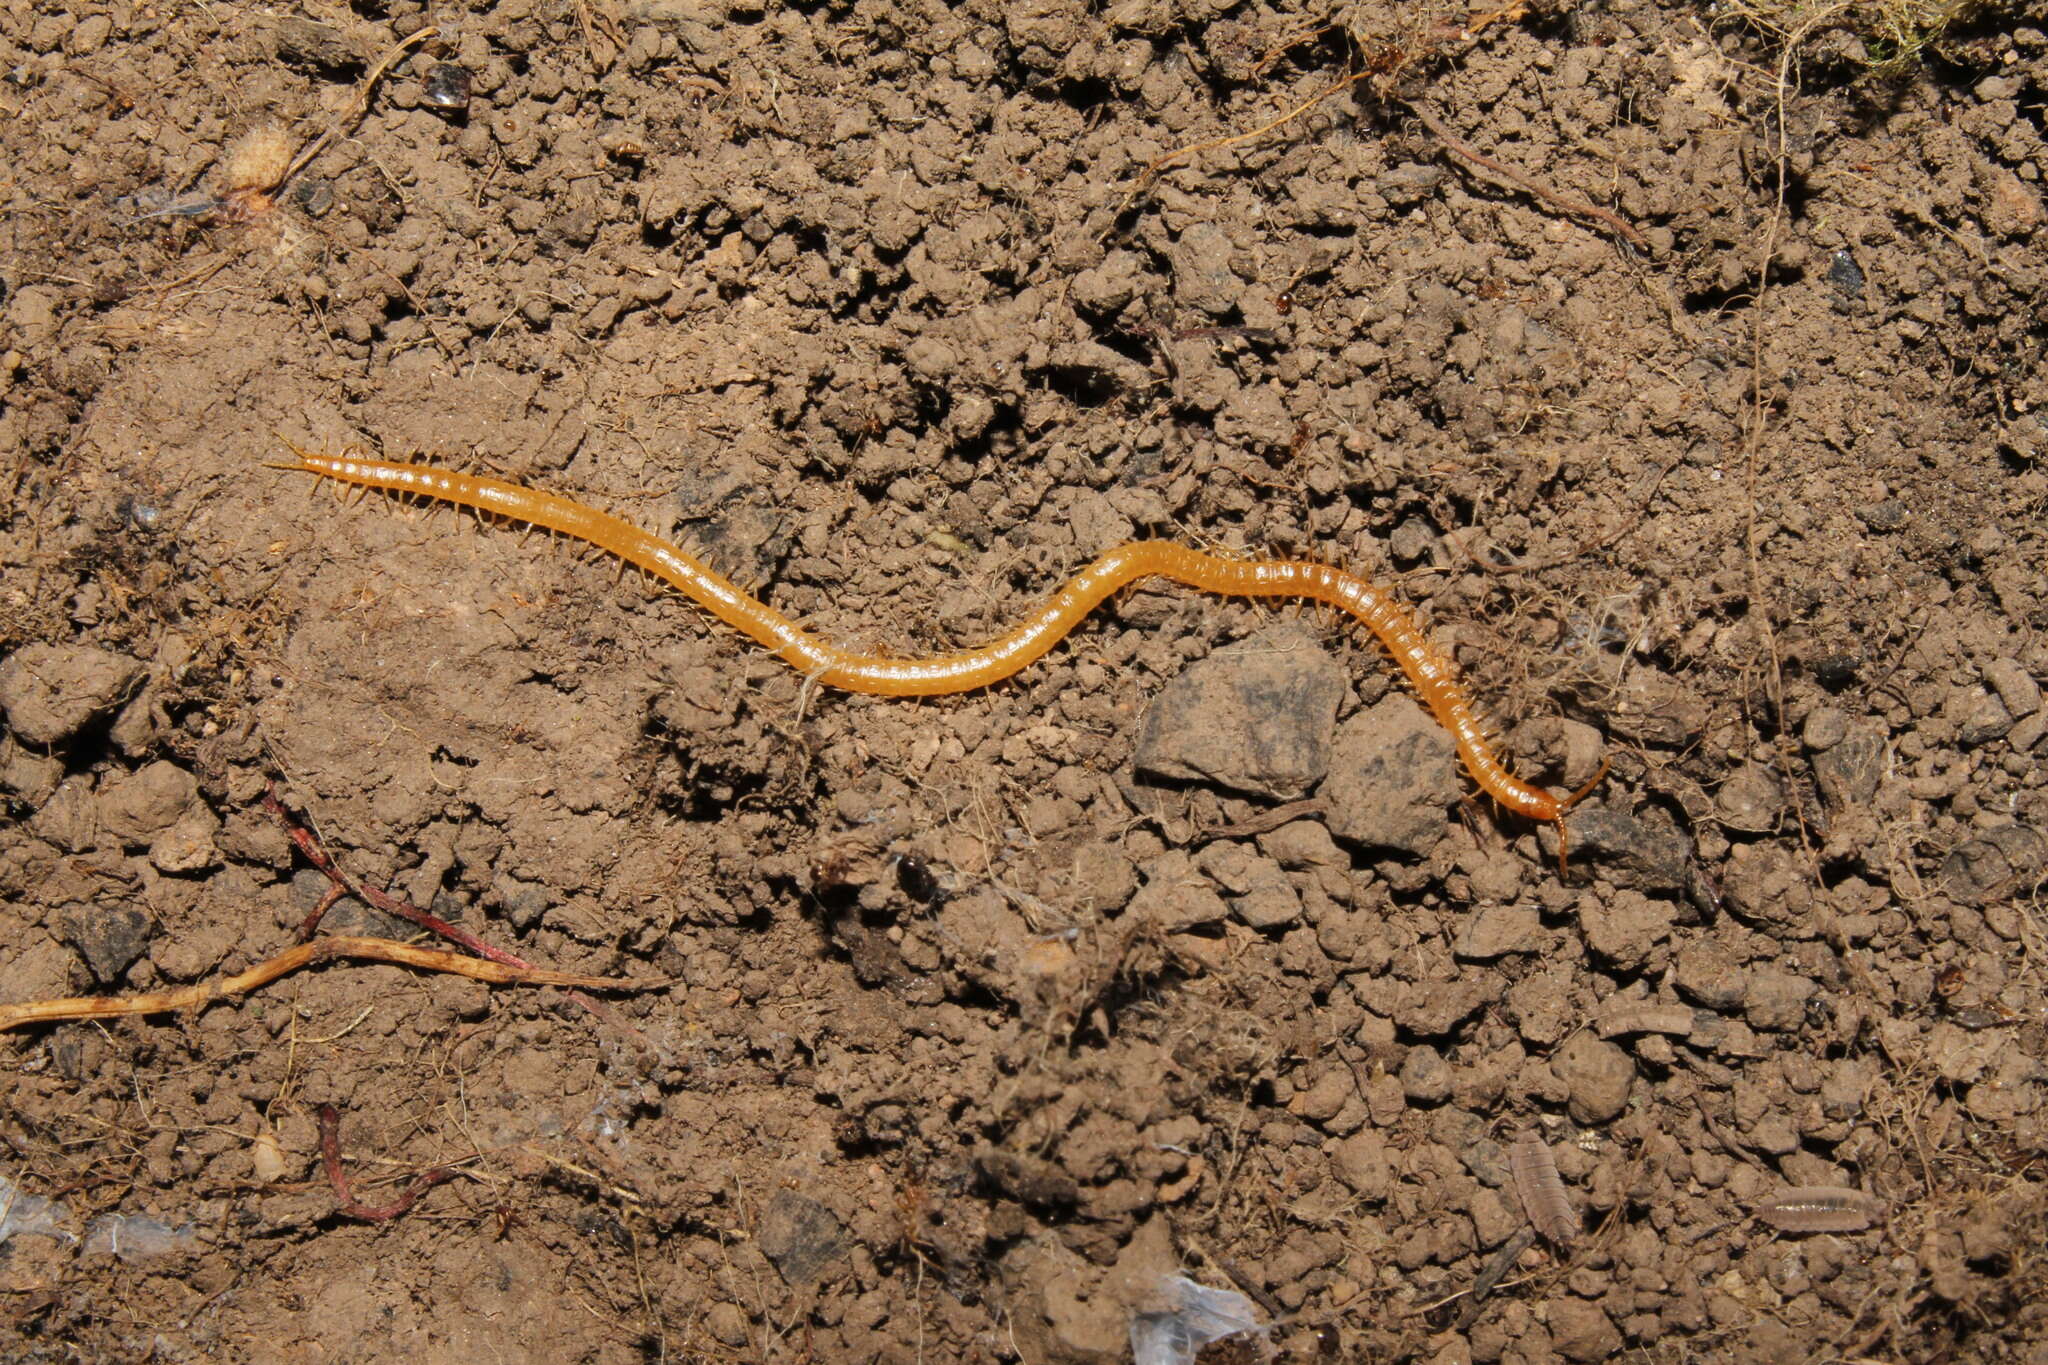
(298, 451)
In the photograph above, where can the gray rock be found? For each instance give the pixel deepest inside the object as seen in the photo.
(1256, 718)
(1393, 773)
(108, 939)
(2004, 861)
(1849, 770)
(51, 692)
(1978, 715)
(1646, 851)
(1425, 1076)
(801, 1236)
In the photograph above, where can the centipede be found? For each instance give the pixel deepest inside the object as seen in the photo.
(1434, 677)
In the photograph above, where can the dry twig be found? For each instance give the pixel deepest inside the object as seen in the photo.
(1523, 180)
(304, 955)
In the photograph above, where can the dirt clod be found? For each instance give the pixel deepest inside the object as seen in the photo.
(50, 691)
(1393, 772)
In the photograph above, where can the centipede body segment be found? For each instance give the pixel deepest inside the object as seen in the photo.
(1433, 676)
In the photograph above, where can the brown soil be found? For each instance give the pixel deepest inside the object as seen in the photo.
(987, 1011)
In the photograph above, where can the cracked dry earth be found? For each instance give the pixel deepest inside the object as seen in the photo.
(1188, 951)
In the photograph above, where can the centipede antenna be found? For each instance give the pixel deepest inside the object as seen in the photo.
(1573, 800)
(1583, 792)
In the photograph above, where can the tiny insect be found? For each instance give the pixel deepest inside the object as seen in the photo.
(1821, 1208)
(830, 871)
(918, 880)
(1544, 1197)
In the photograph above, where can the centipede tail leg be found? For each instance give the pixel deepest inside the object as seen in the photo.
(1583, 792)
(1565, 806)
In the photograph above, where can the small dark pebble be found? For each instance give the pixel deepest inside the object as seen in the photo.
(143, 516)
(109, 940)
(313, 197)
(1845, 275)
(1645, 851)
(2002, 862)
(1836, 671)
(801, 1236)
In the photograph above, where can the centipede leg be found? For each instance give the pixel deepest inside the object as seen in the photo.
(1573, 800)
(1583, 792)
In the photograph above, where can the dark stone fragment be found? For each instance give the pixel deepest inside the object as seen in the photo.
(446, 88)
(1394, 773)
(2000, 863)
(801, 1236)
(109, 940)
(1846, 276)
(1836, 671)
(1646, 852)
(1255, 719)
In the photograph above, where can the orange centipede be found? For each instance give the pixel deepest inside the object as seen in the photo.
(1434, 678)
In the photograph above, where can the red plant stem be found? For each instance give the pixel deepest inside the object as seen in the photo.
(309, 844)
(330, 1157)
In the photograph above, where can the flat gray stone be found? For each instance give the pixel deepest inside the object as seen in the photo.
(1393, 774)
(801, 1236)
(1256, 718)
